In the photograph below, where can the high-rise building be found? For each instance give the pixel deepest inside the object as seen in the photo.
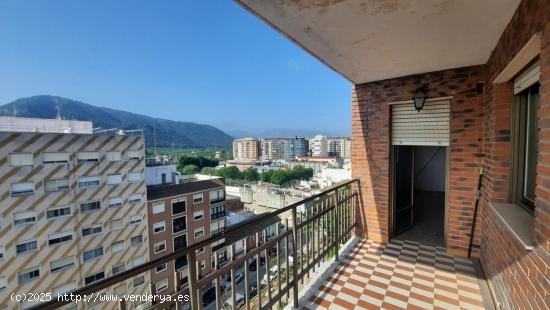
(283, 149)
(180, 215)
(318, 146)
(246, 149)
(339, 146)
(73, 212)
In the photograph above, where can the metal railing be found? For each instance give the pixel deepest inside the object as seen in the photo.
(290, 243)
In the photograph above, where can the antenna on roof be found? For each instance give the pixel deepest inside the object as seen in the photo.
(155, 138)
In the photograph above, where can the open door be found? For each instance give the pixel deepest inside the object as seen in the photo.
(404, 187)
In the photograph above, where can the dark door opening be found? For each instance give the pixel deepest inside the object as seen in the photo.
(419, 193)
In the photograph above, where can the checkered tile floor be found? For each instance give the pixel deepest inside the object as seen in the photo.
(399, 275)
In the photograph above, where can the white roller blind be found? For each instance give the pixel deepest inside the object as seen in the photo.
(527, 78)
(56, 157)
(114, 179)
(134, 154)
(117, 246)
(88, 156)
(21, 159)
(134, 176)
(113, 156)
(61, 289)
(138, 261)
(22, 187)
(62, 263)
(24, 215)
(430, 126)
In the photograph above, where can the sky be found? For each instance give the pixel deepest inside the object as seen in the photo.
(209, 62)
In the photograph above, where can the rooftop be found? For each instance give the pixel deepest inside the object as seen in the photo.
(156, 192)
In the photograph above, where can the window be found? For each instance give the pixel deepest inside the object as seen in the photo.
(58, 212)
(25, 247)
(113, 156)
(28, 275)
(120, 290)
(94, 278)
(180, 263)
(134, 198)
(56, 185)
(64, 288)
(139, 281)
(159, 227)
(135, 219)
(179, 224)
(217, 245)
(134, 177)
(525, 147)
(3, 283)
(178, 206)
(158, 207)
(161, 286)
(199, 232)
(21, 159)
(62, 264)
(118, 268)
(60, 238)
(116, 224)
(217, 227)
(199, 251)
(197, 198)
(87, 157)
(161, 268)
(2, 253)
(180, 242)
(92, 254)
(136, 240)
(90, 206)
(115, 202)
(198, 215)
(117, 246)
(134, 154)
(216, 196)
(217, 212)
(23, 218)
(88, 182)
(139, 260)
(113, 179)
(92, 230)
(22, 189)
(160, 247)
(56, 158)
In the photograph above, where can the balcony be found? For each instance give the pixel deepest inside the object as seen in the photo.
(329, 266)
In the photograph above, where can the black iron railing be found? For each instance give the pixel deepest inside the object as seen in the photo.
(289, 244)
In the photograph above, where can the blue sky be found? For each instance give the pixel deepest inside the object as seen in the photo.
(209, 62)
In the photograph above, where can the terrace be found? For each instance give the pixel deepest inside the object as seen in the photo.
(475, 69)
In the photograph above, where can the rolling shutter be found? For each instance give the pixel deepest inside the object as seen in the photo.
(430, 126)
(527, 78)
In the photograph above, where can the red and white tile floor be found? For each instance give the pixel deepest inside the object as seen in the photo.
(398, 275)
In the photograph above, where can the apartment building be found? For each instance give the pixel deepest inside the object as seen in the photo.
(180, 215)
(318, 146)
(72, 213)
(283, 149)
(339, 146)
(246, 149)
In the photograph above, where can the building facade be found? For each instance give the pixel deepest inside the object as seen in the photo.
(246, 149)
(339, 146)
(318, 146)
(283, 149)
(72, 213)
(180, 215)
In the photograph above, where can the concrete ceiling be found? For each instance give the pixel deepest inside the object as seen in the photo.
(370, 40)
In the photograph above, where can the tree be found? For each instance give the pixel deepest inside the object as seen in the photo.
(279, 177)
(251, 174)
(266, 176)
(199, 161)
(189, 169)
(228, 172)
(208, 171)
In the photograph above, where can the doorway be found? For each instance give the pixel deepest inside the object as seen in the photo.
(419, 193)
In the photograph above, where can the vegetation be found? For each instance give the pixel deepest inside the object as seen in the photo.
(198, 163)
(190, 169)
(278, 177)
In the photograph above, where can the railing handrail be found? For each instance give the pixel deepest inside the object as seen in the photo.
(238, 228)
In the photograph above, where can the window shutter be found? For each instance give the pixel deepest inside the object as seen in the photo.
(430, 126)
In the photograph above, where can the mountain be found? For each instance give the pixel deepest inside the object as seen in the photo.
(181, 134)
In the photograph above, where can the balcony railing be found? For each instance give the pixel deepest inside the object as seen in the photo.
(273, 270)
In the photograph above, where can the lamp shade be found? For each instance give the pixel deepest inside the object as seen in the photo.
(419, 98)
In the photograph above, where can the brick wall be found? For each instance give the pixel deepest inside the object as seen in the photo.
(518, 277)
(371, 145)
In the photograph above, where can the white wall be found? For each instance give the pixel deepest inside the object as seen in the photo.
(433, 176)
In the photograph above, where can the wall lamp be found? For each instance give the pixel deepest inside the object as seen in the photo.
(419, 98)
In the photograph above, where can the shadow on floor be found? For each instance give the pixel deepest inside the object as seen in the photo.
(429, 217)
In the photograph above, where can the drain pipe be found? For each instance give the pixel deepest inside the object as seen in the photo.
(478, 194)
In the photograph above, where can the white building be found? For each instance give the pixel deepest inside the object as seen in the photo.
(53, 125)
(162, 174)
(318, 146)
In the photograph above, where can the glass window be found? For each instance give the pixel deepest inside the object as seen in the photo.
(134, 198)
(159, 227)
(22, 189)
(28, 275)
(179, 224)
(26, 247)
(199, 232)
(160, 268)
(178, 206)
(139, 281)
(56, 185)
(3, 283)
(135, 219)
(160, 247)
(198, 215)
(158, 207)
(90, 206)
(161, 285)
(62, 264)
(23, 218)
(94, 278)
(58, 212)
(197, 198)
(113, 156)
(180, 242)
(136, 240)
(87, 157)
(92, 230)
(525, 147)
(115, 202)
(118, 268)
(91, 254)
(117, 246)
(60, 238)
(88, 182)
